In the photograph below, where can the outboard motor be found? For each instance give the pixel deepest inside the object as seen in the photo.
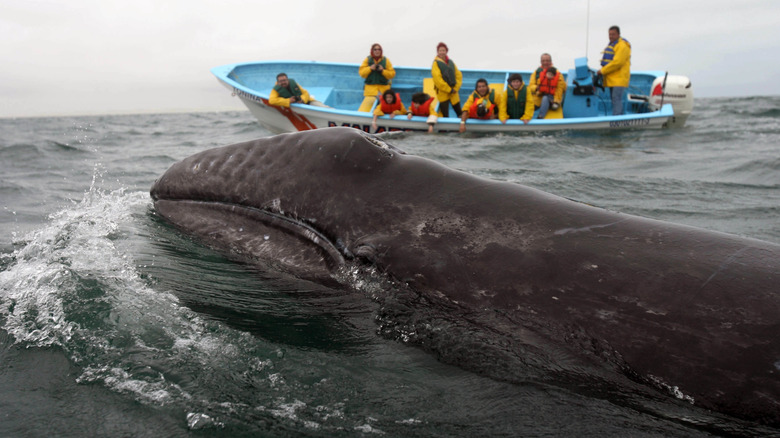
(676, 90)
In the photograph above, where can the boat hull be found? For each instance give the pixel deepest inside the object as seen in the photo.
(251, 83)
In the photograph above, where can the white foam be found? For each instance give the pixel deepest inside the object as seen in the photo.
(290, 411)
(76, 244)
(198, 421)
(72, 284)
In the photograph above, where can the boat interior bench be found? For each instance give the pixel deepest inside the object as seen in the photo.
(320, 93)
(406, 88)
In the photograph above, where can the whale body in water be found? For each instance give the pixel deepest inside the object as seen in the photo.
(668, 305)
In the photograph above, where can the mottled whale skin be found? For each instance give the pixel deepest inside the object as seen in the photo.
(690, 308)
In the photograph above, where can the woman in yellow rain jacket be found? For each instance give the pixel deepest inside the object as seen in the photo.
(447, 80)
(378, 73)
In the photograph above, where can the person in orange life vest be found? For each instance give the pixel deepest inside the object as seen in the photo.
(481, 104)
(548, 84)
(447, 80)
(616, 68)
(533, 83)
(287, 91)
(516, 102)
(390, 104)
(424, 105)
(378, 73)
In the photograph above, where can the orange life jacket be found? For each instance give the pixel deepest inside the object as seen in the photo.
(421, 109)
(388, 108)
(548, 86)
(488, 99)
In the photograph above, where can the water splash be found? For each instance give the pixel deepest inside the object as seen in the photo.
(53, 265)
(75, 284)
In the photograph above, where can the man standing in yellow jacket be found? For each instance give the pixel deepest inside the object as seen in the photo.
(616, 68)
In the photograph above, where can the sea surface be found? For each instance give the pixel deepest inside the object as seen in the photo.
(113, 324)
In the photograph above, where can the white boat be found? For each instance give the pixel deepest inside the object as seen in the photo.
(653, 99)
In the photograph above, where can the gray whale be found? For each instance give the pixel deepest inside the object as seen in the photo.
(679, 306)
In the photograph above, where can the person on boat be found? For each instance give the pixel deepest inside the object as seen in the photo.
(390, 104)
(546, 88)
(516, 102)
(616, 68)
(378, 73)
(480, 105)
(424, 105)
(447, 80)
(287, 91)
(560, 87)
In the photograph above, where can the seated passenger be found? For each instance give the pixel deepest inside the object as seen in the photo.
(547, 90)
(481, 104)
(287, 91)
(533, 85)
(516, 101)
(390, 104)
(378, 73)
(424, 105)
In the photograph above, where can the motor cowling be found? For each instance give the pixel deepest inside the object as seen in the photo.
(674, 90)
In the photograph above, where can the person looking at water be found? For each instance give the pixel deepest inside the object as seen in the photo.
(287, 91)
(481, 104)
(424, 105)
(560, 87)
(516, 102)
(390, 104)
(447, 80)
(378, 73)
(616, 68)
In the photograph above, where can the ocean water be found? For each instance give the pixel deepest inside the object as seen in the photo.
(114, 324)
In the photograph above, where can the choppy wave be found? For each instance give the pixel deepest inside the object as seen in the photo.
(74, 285)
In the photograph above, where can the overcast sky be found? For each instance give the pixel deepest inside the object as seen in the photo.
(109, 56)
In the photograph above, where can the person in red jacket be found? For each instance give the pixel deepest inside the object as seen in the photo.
(546, 88)
(424, 105)
(390, 104)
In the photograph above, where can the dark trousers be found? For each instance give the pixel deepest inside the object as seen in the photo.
(444, 107)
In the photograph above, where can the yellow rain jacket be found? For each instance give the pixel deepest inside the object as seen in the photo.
(475, 98)
(278, 100)
(528, 110)
(444, 92)
(371, 90)
(617, 73)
